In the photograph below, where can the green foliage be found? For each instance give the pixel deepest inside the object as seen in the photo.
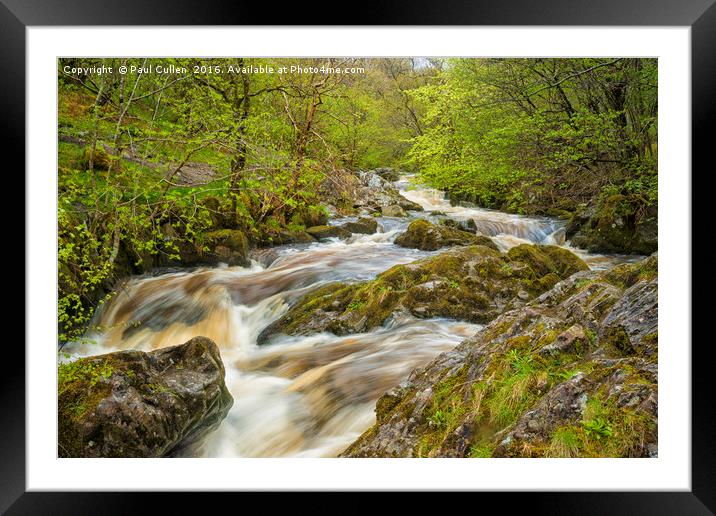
(355, 305)
(82, 371)
(522, 364)
(438, 419)
(597, 428)
(565, 443)
(595, 422)
(481, 451)
(510, 133)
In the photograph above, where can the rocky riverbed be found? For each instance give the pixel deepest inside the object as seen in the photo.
(400, 326)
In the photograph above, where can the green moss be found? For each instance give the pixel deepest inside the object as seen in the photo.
(385, 405)
(422, 234)
(546, 259)
(101, 161)
(82, 385)
(231, 238)
(609, 431)
(628, 274)
(618, 342)
(82, 371)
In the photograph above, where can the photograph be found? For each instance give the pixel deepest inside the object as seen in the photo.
(357, 257)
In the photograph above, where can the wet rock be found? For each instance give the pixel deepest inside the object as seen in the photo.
(137, 404)
(612, 226)
(464, 225)
(631, 326)
(229, 246)
(500, 394)
(394, 211)
(427, 236)
(265, 256)
(363, 225)
(324, 232)
(283, 237)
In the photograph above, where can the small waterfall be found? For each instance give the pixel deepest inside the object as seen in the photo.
(489, 222)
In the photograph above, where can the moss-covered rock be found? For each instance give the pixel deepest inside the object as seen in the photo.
(422, 234)
(274, 237)
(615, 224)
(219, 212)
(474, 283)
(393, 210)
(136, 404)
(101, 160)
(310, 216)
(464, 225)
(572, 374)
(364, 225)
(387, 173)
(324, 232)
(546, 259)
(229, 246)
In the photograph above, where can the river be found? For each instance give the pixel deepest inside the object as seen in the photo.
(304, 396)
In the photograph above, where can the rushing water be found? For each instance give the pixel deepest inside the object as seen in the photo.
(305, 396)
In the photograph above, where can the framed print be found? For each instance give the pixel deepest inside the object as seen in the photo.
(417, 254)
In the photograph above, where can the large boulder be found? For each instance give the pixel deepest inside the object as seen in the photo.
(612, 226)
(324, 232)
(427, 236)
(364, 225)
(228, 246)
(474, 283)
(571, 374)
(137, 404)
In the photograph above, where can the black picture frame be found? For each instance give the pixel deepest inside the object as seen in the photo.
(700, 15)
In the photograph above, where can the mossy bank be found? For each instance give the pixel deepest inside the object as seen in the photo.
(571, 374)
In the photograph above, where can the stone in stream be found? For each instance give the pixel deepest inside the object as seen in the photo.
(474, 283)
(137, 404)
(571, 374)
(324, 232)
(394, 210)
(464, 225)
(276, 237)
(422, 234)
(363, 225)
